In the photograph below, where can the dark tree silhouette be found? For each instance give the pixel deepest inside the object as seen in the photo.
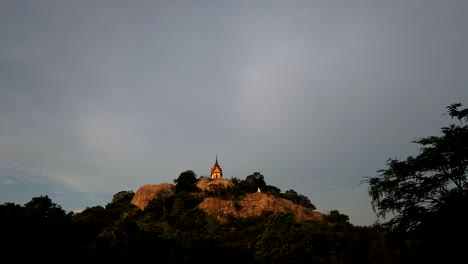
(254, 182)
(186, 181)
(42, 210)
(415, 188)
(427, 194)
(299, 199)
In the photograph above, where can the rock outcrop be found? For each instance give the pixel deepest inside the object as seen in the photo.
(252, 204)
(207, 184)
(146, 193)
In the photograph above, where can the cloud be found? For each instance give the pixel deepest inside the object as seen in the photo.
(9, 181)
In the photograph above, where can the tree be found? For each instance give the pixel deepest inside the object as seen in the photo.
(254, 182)
(123, 197)
(186, 181)
(273, 190)
(120, 205)
(299, 199)
(427, 194)
(278, 243)
(420, 186)
(46, 226)
(160, 204)
(42, 210)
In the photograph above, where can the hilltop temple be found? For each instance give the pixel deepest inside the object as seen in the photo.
(216, 171)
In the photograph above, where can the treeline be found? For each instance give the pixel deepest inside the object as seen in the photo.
(172, 229)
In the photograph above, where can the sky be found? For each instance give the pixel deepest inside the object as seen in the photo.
(98, 97)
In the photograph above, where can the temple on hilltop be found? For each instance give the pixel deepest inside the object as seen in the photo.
(216, 171)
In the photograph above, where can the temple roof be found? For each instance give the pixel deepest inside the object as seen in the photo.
(216, 166)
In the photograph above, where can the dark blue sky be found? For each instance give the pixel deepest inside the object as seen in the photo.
(98, 97)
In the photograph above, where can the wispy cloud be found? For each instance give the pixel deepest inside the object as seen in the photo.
(9, 181)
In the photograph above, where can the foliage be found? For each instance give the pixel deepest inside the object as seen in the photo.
(219, 191)
(172, 229)
(298, 199)
(182, 233)
(160, 205)
(427, 194)
(124, 197)
(254, 182)
(283, 241)
(187, 181)
(34, 228)
(251, 184)
(41, 210)
(419, 188)
(273, 190)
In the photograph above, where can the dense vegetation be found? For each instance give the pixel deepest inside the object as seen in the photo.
(427, 196)
(173, 230)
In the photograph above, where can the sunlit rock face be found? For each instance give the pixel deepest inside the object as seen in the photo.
(208, 185)
(254, 204)
(147, 192)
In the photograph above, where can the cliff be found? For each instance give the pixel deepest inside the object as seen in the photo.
(253, 204)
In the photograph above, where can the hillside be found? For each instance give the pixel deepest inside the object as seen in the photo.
(250, 204)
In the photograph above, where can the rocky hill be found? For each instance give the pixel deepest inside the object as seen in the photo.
(252, 204)
(147, 192)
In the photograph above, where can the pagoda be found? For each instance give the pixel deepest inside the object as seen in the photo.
(216, 171)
